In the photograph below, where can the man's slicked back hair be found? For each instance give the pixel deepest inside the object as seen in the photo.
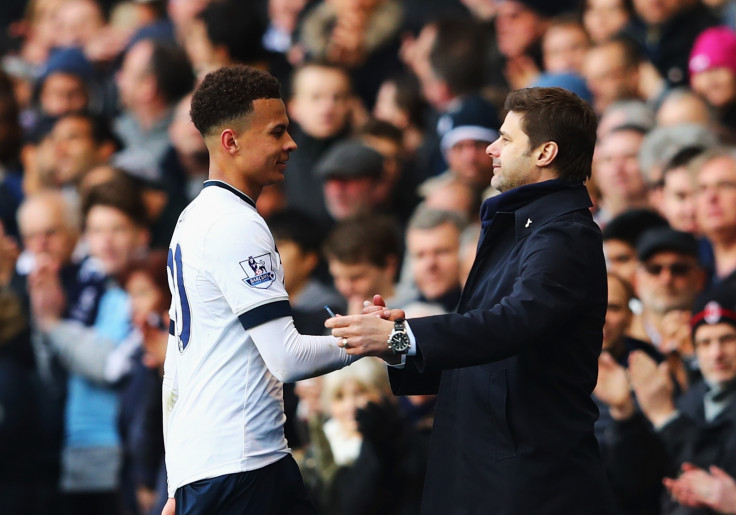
(227, 94)
(555, 114)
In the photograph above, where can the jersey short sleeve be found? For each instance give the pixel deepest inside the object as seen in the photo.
(242, 259)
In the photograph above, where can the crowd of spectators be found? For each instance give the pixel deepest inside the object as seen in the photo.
(392, 105)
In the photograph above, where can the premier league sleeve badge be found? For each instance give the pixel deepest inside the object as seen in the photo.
(258, 271)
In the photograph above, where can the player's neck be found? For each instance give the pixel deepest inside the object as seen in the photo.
(236, 181)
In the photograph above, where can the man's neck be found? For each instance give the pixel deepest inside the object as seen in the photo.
(219, 172)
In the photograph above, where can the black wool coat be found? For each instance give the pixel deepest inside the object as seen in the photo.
(515, 366)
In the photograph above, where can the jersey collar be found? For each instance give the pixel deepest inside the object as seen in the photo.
(232, 190)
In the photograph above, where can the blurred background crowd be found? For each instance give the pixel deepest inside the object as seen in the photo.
(392, 104)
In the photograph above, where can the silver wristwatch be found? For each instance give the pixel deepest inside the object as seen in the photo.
(398, 340)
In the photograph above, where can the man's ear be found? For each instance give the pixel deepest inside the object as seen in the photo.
(229, 141)
(546, 153)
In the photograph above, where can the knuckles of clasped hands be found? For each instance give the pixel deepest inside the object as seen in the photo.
(366, 334)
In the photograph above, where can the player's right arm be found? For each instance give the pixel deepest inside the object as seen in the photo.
(258, 297)
(291, 356)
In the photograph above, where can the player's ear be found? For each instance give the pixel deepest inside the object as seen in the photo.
(229, 141)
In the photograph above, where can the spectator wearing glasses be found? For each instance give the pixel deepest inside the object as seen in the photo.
(668, 279)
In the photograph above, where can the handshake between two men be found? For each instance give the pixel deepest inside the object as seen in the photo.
(372, 333)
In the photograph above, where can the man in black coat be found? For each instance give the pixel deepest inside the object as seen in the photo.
(515, 366)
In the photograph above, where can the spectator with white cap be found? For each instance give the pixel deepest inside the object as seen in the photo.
(467, 133)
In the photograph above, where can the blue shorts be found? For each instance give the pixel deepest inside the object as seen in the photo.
(276, 489)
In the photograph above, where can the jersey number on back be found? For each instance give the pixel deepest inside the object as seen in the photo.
(182, 318)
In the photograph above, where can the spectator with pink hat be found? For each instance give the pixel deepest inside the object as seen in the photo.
(713, 71)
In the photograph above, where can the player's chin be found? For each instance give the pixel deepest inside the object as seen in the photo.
(278, 173)
(275, 179)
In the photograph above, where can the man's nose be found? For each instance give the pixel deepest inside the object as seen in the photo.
(491, 150)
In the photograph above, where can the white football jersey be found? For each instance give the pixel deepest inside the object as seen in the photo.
(227, 414)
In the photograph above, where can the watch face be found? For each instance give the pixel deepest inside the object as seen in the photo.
(399, 342)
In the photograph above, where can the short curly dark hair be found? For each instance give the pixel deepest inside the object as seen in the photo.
(228, 93)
